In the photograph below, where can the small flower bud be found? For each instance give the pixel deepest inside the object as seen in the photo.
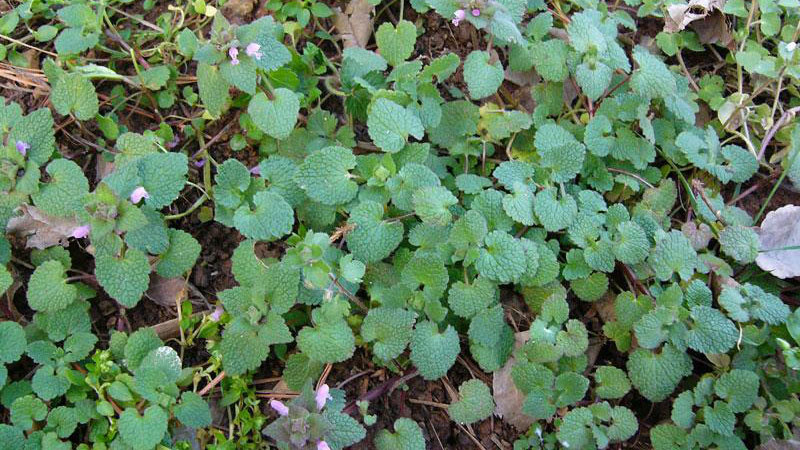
(476, 12)
(253, 50)
(23, 147)
(81, 232)
(458, 16)
(138, 194)
(279, 407)
(322, 396)
(233, 52)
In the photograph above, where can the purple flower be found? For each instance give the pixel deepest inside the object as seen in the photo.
(233, 52)
(138, 194)
(279, 407)
(200, 163)
(23, 147)
(215, 316)
(458, 16)
(476, 12)
(322, 396)
(322, 445)
(253, 50)
(80, 232)
(256, 171)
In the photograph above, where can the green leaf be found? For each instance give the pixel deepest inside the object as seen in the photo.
(555, 213)
(12, 342)
(64, 420)
(466, 300)
(325, 176)
(389, 125)
(213, 89)
(432, 203)
(550, 59)
(475, 403)
(503, 259)
(396, 44)
(673, 253)
(180, 256)
(389, 329)
(739, 388)
(143, 432)
(276, 117)
(124, 278)
(407, 436)
(329, 341)
(48, 289)
(656, 376)
(49, 384)
(612, 382)
(559, 151)
(712, 331)
(26, 410)
(739, 243)
(63, 195)
(373, 239)
(193, 411)
(652, 78)
(271, 219)
(434, 353)
(72, 93)
(482, 78)
(163, 175)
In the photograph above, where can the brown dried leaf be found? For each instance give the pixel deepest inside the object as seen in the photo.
(779, 232)
(167, 292)
(705, 17)
(41, 230)
(355, 23)
(507, 397)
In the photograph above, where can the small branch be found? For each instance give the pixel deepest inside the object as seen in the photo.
(686, 71)
(348, 294)
(386, 387)
(784, 120)
(213, 383)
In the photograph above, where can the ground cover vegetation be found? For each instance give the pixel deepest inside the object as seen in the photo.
(513, 224)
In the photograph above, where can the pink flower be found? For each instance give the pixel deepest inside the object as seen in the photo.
(279, 407)
(200, 163)
(322, 396)
(138, 194)
(476, 12)
(80, 232)
(217, 314)
(458, 16)
(322, 445)
(253, 50)
(256, 171)
(233, 52)
(22, 147)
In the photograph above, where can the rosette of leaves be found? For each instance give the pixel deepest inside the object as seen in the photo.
(256, 306)
(218, 70)
(28, 143)
(304, 426)
(707, 414)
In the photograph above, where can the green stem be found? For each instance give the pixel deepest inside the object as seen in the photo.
(191, 209)
(776, 186)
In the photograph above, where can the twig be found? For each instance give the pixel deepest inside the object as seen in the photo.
(686, 71)
(386, 387)
(784, 120)
(213, 383)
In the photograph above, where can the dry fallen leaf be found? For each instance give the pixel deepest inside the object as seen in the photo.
(779, 232)
(704, 16)
(355, 23)
(507, 397)
(167, 292)
(41, 230)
